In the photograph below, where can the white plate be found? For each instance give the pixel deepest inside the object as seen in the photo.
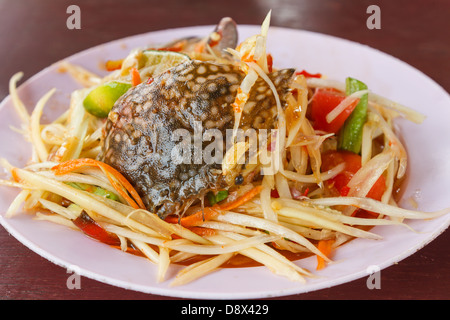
(337, 58)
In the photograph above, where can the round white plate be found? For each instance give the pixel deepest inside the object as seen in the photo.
(337, 58)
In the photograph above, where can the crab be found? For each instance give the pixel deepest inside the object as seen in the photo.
(192, 97)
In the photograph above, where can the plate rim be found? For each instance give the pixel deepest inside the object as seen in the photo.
(190, 294)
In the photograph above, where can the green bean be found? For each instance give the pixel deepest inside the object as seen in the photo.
(350, 135)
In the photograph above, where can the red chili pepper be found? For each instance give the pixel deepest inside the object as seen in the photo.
(274, 193)
(269, 62)
(95, 231)
(305, 194)
(352, 162)
(308, 75)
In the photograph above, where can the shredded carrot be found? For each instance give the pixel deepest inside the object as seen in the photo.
(241, 200)
(247, 57)
(199, 47)
(203, 231)
(110, 172)
(177, 47)
(112, 65)
(195, 219)
(241, 98)
(325, 246)
(209, 213)
(135, 77)
(14, 175)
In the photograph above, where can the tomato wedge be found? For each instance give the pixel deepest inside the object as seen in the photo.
(94, 230)
(352, 162)
(325, 100)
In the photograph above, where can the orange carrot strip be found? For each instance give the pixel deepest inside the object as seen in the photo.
(135, 77)
(177, 47)
(241, 200)
(71, 165)
(209, 213)
(203, 231)
(199, 47)
(122, 192)
(195, 219)
(325, 246)
(14, 175)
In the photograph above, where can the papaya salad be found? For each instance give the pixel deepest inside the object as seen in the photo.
(139, 159)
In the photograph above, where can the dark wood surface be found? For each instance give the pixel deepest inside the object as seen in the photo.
(33, 35)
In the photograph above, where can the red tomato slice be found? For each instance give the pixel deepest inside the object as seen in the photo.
(94, 230)
(323, 101)
(352, 162)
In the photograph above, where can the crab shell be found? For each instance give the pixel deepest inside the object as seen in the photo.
(190, 98)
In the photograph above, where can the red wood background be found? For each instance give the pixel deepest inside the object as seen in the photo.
(33, 35)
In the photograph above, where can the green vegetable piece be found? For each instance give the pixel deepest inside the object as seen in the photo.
(79, 186)
(156, 62)
(94, 189)
(105, 193)
(100, 100)
(215, 198)
(221, 195)
(350, 135)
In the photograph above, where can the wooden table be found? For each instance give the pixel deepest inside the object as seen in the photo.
(33, 35)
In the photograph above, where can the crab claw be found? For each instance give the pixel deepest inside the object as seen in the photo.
(224, 36)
